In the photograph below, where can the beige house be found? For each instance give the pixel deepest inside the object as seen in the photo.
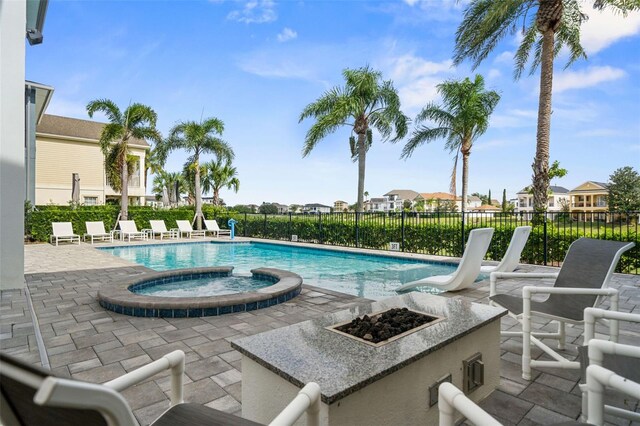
(340, 206)
(590, 197)
(68, 145)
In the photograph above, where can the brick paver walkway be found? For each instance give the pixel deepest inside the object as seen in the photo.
(86, 342)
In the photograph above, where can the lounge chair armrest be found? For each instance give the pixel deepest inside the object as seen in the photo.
(598, 348)
(591, 315)
(173, 361)
(528, 290)
(493, 277)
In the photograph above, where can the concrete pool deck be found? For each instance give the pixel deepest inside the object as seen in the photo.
(84, 341)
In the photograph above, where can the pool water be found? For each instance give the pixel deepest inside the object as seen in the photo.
(363, 275)
(201, 287)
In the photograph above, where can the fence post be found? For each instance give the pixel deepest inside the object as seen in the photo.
(357, 230)
(264, 230)
(545, 243)
(320, 239)
(289, 226)
(462, 240)
(402, 227)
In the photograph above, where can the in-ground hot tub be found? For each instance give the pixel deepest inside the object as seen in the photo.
(179, 293)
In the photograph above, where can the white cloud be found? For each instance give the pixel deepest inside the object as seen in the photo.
(505, 57)
(606, 27)
(70, 108)
(286, 35)
(416, 79)
(514, 118)
(589, 77)
(255, 12)
(494, 73)
(600, 133)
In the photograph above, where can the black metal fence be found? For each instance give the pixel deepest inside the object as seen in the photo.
(445, 234)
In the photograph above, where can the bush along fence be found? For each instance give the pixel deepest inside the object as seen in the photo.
(442, 234)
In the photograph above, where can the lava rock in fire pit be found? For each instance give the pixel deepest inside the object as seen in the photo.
(385, 325)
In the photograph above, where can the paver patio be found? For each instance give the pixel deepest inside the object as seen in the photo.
(86, 342)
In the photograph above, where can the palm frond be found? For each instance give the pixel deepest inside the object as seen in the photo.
(106, 106)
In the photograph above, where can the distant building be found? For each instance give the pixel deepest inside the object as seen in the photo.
(434, 201)
(397, 197)
(377, 204)
(340, 206)
(315, 208)
(282, 208)
(590, 199)
(65, 146)
(557, 201)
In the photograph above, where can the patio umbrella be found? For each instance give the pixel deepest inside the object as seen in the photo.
(165, 197)
(75, 188)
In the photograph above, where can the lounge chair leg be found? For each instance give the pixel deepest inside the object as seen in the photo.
(561, 335)
(526, 336)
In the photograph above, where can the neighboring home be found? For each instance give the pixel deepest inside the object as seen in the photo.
(151, 201)
(254, 207)
(282, 208)
(590, 197)
(68, 145)
(397, 197)
(315, 208)
(340, 206)
(473, 202)
(558, 199)
(486, 210)
(438, 200)
(379, 204)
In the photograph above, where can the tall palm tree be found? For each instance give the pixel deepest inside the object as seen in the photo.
(219, 175)
(462, 118)
(152, 163)
(198, 139)
(136, 122)
(365, 102)
(170, 181)
(547, 26)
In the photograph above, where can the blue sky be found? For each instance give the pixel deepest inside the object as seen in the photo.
(256, 64)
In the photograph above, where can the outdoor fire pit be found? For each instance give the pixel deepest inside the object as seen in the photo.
(378, 363)
(380, 328)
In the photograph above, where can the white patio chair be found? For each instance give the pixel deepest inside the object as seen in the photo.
(129, 230)
(452, 400)
(33, 396)
(511, 258)
(158, 227)
(468, 269)
(581, 283)
(96, 231)
(63, 231)
(212, 226)
(185, 228)
(623, 360)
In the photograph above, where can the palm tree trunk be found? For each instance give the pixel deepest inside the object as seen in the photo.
(198, 195)
(547, 25)
(216, 196)
(124, 191)
(362, 152)
(465, 176)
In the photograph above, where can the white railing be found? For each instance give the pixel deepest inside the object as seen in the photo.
(451, 399)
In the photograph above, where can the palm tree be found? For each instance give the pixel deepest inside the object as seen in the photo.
(365, 102)
(462, 118)
(547, 26)
(219, 175)
(136, 122)
(197, 138)
(173, 182)
(152, 163)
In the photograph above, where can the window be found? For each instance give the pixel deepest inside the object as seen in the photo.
(601, 201)
(523, 202)
(551, 202)
(90, 201)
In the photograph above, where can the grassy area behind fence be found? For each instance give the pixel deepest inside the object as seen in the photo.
(426, 233)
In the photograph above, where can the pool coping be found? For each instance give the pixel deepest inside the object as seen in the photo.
(119, 298)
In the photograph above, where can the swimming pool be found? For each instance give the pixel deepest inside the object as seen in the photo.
(362, 275)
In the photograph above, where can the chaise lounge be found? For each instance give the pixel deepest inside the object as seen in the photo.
(63, 231)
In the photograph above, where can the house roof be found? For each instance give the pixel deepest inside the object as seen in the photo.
(377, 200)
(487, 207)
(76, 128)
(554, 190)
(473, 198)
(437, 196)
(316, 205)
(339, 201)
(404, 194)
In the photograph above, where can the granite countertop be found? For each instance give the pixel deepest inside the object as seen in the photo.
(307, 351)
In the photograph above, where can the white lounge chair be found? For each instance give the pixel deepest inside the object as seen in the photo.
(212, 226)
(129, 230)
(581, 283)
(511, 258)
(185, 228)
(158, 227)
(63, 231)
(34, 396)
(96, 231)
(468, 269)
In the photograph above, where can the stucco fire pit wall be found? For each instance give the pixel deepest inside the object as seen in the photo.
(363, 384)
(119, 298)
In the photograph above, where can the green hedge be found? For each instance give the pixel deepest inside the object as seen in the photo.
(434, 237)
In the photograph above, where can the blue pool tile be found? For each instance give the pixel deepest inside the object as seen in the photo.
(195, 312)
(180, 313)
(139, 312)
(166, 313)
(225, 310)
(263, 304)
(239, 308)
(252, 306)
(210, 312)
